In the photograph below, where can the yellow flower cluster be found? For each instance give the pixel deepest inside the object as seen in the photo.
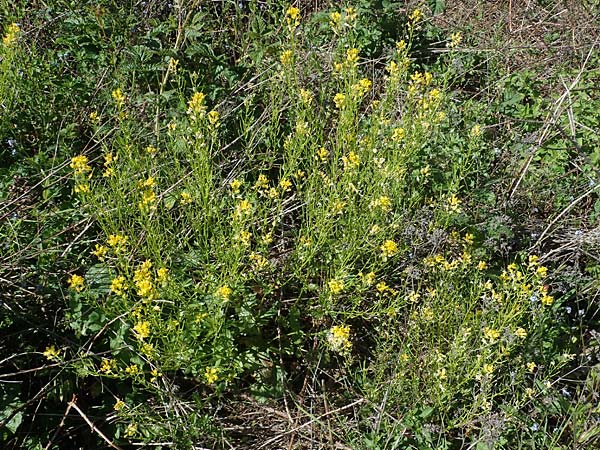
(415, 17)
(213, 119)
(224, 292)
(117, 242)
(337, 20)
(100, 252)
(293, 17)
(351, 161)
(388, 249)
(338, 338)
(242, 209)
(119, 285)
(80, 165)
(196, 106)
(352, 57)
(51, 353)
(108, 366)
(322, 154)
(132, 370)
(109, 159)
(383, 202)
(339, 100)
(185, 198)
(336, 286)
(286, 58)
(77, 283)
(398, 134)
(361, 87)
(306, 97)
(142, 279)
(235, 186)
(148, 200)
(11, 35)
(455, 39)
(491, 335)
(211, 374)
(118, 97)
(142, 330)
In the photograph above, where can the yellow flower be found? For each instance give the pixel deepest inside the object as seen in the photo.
(382, 287)
(455, 39)
(305, 96)
(362, 87)
(368, 279)
(131, 430)
(339, 100)
(132, 369)
(185, 198)
(155, 374)
(383, 202)
(80, 164)
(148, 200)
(151, 150)
(173, 63)
(547, 300)
(531, 366)
(541, 271)
(389, 248)
(142, 330)
(335, 21)
(488, 369)
(285, 185)
(521, 333)
(398, 134)
(51, 353)
(352, 56)
(293, 17)
(82, 188)
(244, 237)
(107, 366)
(211, 375)
(76, 283)
(286, 58)
(476, 130)
(224, 292)
(118, 97)
(243, 208)
(119, 405)
(162, 274)
(118, 286)
(323, 153)
(491, 334)
(468, 239)
(117, 241)
(11, 35)
(415, 17)
(351, 161)
(482, 265)
(235, 186)
(338, 338)
(350, 14)
(196, 104)
(336, 286)
(262, 182)
(453, 204)
(213, 118)
(258, 260)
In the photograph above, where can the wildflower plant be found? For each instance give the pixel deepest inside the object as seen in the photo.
(220, 255)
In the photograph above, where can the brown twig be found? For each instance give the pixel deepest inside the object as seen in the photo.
(95, 429)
